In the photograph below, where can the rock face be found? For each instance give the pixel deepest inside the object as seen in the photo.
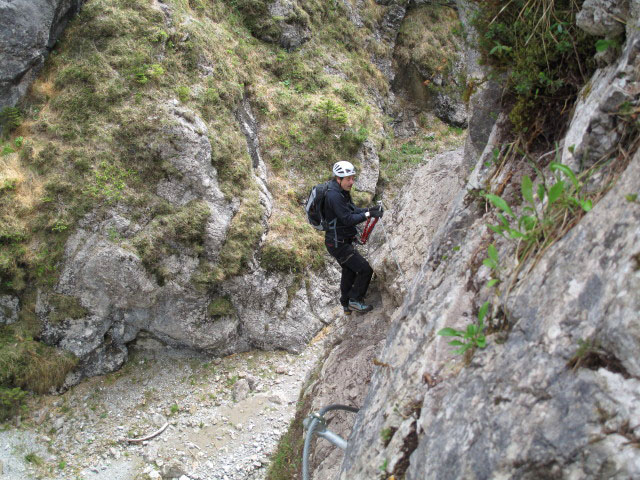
(486, 93)
(430, 84)
(423, 205)
(124, 299)
(184, 143)
(28, 31)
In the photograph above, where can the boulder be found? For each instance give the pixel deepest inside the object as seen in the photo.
(9, 308)
(603, 18)
(28, 31)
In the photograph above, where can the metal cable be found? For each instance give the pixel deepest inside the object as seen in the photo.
(312, 426)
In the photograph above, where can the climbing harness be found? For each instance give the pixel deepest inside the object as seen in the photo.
(316, 421)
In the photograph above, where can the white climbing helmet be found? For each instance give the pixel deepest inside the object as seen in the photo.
(343, 169)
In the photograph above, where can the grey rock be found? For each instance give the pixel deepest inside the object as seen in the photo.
(28, 31)
(392, 21)
(9, 308)
(241, 390)
(528, 407)
(344, 379)
(594, 130)
(367, 178)
(451, 109)
(293, 31)
(158, 420)
(273, 319)
(249, 126)
(174, 469)
(603, 18)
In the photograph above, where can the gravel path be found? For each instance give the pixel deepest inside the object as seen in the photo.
(225, 418)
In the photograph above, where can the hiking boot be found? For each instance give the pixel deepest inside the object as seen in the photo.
(359, 306)
(347, 310)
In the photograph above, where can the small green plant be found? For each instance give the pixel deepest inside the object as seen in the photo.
(11, 400)
(383, 467)
(62, 465)
(631, 197)
(174, 409)
(10, 119)
(493, 262)
(386, 434)
(59, 226)
(330, 114)
(145, 73)
(33, 458)
(220, 307)
(605, 44)
(542, 221)
(184, 93)
(472, 337)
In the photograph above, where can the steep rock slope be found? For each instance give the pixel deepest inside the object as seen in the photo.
(555, 392)
(557, 395)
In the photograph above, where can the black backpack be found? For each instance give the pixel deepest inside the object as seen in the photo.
(315, 207)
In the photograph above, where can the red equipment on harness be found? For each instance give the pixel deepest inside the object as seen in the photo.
(368, 227)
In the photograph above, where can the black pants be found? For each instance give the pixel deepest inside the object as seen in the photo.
(356, 272)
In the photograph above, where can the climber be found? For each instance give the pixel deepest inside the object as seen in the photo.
(343, 216)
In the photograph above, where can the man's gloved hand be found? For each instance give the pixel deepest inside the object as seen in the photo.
(376, 212)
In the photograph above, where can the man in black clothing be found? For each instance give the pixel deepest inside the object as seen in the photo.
(343, 216)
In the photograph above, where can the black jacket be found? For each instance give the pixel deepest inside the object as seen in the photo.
(341, 213)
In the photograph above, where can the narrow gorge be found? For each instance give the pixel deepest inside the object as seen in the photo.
(166, 310)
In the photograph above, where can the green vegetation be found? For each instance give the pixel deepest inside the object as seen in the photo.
(65, 306)
(11, 399)
(493, 262)
(220, 307)
(546, 217)
(10, 119)
(386, 434)
(545, 56)
(34, 458)
(429, 39)
(169, 233)
(26, 364)
(401, 155)
(472, 337)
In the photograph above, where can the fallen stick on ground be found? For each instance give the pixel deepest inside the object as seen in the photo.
(148, 437)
